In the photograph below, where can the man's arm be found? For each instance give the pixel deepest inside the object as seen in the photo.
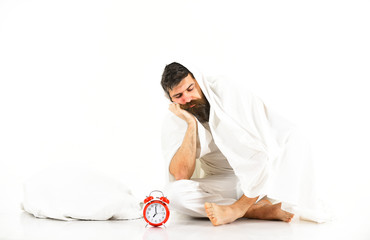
(182, 164)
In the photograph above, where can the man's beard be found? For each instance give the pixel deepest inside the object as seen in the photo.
(200, 110)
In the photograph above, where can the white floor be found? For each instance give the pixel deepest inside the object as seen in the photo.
(20, 225)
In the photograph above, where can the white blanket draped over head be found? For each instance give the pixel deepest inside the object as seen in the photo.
(255, 142)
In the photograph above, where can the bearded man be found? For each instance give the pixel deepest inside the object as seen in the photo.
(228, 156)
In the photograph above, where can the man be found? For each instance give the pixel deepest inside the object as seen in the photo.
(229, 156)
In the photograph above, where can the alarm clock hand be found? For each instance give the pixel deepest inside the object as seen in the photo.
(155, 211)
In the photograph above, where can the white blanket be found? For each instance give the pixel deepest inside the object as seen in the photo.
(68, 193)
(265, 150)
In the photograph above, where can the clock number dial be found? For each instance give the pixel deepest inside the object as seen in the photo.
(156, 213)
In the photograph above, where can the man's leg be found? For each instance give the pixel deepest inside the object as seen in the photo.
(219, 193)
(246, 207)
(265, 210)
(188, 196)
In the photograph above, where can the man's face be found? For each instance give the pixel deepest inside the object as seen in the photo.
(190, 97)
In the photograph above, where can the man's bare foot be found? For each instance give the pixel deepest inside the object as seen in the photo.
(269, 212)
(221, 214)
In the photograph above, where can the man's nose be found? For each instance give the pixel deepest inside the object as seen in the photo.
(187, 98)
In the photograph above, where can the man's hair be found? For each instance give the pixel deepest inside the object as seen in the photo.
(172, 75)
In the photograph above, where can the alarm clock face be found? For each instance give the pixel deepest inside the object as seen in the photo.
(156, 213)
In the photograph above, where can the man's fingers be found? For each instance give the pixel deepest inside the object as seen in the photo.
(176, 109)
(172, 106)
(177, 106)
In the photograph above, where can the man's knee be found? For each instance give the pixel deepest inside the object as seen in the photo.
(178, 189)
(179, 192)
(186, 197)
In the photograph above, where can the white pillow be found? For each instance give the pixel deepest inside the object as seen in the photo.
(69, 193)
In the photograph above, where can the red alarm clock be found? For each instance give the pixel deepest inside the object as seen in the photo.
(156, 212)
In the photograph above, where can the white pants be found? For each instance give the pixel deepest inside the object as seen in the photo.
(188, 196)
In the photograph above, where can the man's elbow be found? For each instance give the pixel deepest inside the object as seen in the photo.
(180, 175)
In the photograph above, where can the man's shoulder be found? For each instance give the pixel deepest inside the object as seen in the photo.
(226, 81)
(227, 88)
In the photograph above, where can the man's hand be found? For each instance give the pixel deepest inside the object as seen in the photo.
(181, 113)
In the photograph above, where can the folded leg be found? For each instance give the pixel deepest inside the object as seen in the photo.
(188, 196)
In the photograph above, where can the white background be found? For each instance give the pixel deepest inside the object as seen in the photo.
(80, 82)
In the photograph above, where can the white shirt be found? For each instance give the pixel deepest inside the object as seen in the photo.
(213, 161)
